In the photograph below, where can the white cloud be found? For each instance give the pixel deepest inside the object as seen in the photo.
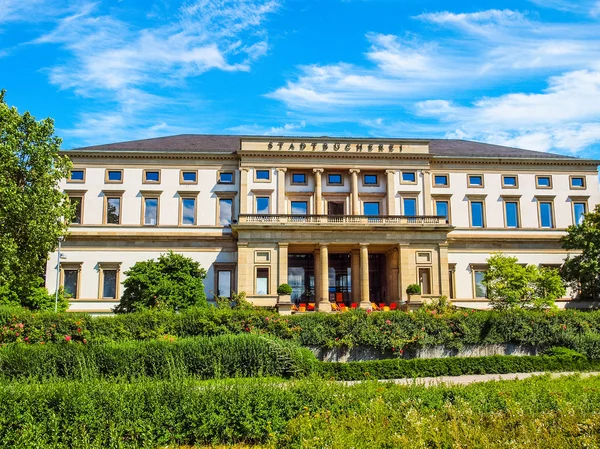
(590, 7)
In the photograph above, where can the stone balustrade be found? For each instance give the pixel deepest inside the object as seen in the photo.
(342, 219)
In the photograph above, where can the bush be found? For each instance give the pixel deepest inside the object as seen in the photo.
(174, 282)
(413, 289)
(284, 289)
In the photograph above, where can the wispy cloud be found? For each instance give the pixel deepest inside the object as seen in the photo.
(590, 7)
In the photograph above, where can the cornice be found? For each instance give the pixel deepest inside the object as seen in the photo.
(148, 155)
(472, 160)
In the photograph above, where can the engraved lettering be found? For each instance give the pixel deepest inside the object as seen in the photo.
(391, 147)
(380, 147)
(314, 145)
(291, 148)
(270, 146)
(359, 147)
(336, 146)
(325, 146)
(347, 147)
(370, 147)
(280, 145)
(400, 148)
(302, 146)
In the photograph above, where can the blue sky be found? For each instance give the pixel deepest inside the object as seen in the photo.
(519, 73)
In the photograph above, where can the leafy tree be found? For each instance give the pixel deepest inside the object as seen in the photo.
(33, 212)
(547, 286)
(582, 272)
(173, 282)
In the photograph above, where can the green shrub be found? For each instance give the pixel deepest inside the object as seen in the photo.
(413, 289)
(284, 289)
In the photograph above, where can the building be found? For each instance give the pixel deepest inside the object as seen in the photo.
(339, 219)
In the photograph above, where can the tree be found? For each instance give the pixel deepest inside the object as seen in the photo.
(582, 272)
(511, 285)
(33, 212)
(173, 282)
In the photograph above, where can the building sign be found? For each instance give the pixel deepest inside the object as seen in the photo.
(312, 146)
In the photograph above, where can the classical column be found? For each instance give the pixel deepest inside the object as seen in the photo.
(324, 304)
(244, 280)
(443, 267)
(355, 274)
(391, 192)
(403, 270)
(365, 301)
(318, 191)
(281, 190)
(427, 192)
(354, 187)
(283, 263)
(244, 190)
(317, 274)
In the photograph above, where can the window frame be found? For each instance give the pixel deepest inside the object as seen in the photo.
(151, 170)
(549, 200)
(109, 266)
(71, 266)
(583, 178)
(475, 186)
(268, 170)
(446, 175)
(341, 175)
(505, 186)
(537, 181)
(256, 198)
(292, 201)
(81, 195)
(412, 183)
(444, 198)
(76, 181)
(477, 199)
(409, 197)
(262, 267)
(219, 267)
(372, 201)
(578, 199)
(186, 194)
(112, 194)
(228, 172)
(477, 268)
(512, 199)
(377, 180)
(225, 196)
(150, 195)
(183, 181)
(430, 286)
(302, 173)
(107, 173)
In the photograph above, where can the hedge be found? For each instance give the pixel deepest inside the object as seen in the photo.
(386, 331)
(156, 414)
(202, 357)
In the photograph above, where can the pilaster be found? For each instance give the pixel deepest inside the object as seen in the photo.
(365, 301)
(444, 269)
(244, 190)
(391, 192)
(354, 188)
(324, 305)
(318, 191)
(281, 190)
(427, 192)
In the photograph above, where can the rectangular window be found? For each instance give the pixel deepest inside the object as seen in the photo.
(263, 175)
(299, 208)
(262, 205)
(335, 208)
(579, 209)
(546, 216)
(409, 177)
(225, 211)
(151, 176)
(77, 202)
(371, 208)
(262, 281)
(480, 288)
(113, 210)
(334, 178)
(150, 211)
(442, 209)
(70, 283)
(115, 176)
(543, 182)
(509, 181)
(224, 283)
(189, 177)
(77, 176)
(577, 182)
(188, 211)
(298, 178)
(477, 214)
(109, 284)
(409, 207)
(475, 180)
(226, 177)
(511, 212)
(370, 180)
(425, 280)
(440, 180)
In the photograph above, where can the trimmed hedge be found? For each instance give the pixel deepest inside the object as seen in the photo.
(155, 414)
(386, 331)
(203, 358)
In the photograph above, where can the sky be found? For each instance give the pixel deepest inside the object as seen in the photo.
(517, 73)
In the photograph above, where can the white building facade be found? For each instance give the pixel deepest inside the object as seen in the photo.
(352, 221)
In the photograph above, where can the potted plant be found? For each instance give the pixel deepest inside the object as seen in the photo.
(414, 292)
(284, 301)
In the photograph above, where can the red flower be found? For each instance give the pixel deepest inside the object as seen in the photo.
(388, 322)
(68, 337)
(401, 351)
(26, 338)
(78, 329)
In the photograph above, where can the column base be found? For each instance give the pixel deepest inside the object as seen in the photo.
(324, 306)
(366, 305)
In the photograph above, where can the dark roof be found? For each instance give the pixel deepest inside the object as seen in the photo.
(230, 144)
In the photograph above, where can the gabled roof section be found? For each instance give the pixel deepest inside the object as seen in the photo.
(203, 143)
(467, 148)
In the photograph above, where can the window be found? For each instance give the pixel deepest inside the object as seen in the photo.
(114, 176)
(409, 177)
(263, 175)
(151, 177)
(511, 214)
(475, 180)
(543, 182)
(262, 204)
(226, 177)
(546, 214)
(150, 212)
(71, 282)
(262, 281)
(440, 180)
(409, 207)
(510, 181)
(77, 203)
(335, 208)
(299, 208)
(479, 286)
(577, 182)
(77, 175)
(579, 209)
(225, 211)
(112, 209)
(442, 209)
(370, 180)
(425, 280)
(109, 284)
(189, 177)
(371, 208)
(298, 178)
(188, 211)
(477, 216)
(334, 179)
(224, 283)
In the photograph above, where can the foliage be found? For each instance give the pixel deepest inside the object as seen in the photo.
(511, 285)
(40, 299)
(582, 272)
(308, 413)
(413, 289)
(439, 305)
(33, 212)
(284, 289)
(174, 282)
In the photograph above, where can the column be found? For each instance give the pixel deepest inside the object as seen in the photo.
(443, 267)
(406, 272)
(355, 273)
(317, 268)
(244, 190)
(318, 191)
(391, 192)
(365, 300)
(283, 263)
(354, 188)
(244, 281)
(281, 190)
(427, 192)
(324, 304)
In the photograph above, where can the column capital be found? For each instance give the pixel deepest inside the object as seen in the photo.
(323, 245)
(281, 169)
(363, 245)
(354, 170)
(318, 170)
(246, 169)
(283, 245)
(390, 172)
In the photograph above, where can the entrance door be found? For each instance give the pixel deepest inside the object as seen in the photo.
(335, 208)
(377, 278)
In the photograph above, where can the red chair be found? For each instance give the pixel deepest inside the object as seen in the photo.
(311, 307)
